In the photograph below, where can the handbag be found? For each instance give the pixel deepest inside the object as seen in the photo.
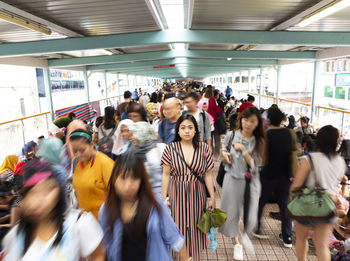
(312, 204)
(222, 172)
(194, 173)
(215, 218)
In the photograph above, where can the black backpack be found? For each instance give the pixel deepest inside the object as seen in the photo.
(105, 144)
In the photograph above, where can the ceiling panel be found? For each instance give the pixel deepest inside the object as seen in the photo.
(151, 48)
(92, 17)
(245, 14)
(339, 21)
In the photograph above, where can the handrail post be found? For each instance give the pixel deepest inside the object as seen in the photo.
(342, 122)
(314, 88)
(48, 94)
(86, 86)
(23, 135)
(278, 83)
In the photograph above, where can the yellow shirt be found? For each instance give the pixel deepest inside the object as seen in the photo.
(91, 182)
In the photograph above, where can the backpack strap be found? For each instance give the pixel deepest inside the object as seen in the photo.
(203, 117)
(112, 132)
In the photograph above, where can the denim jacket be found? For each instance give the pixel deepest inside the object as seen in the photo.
(162, 233)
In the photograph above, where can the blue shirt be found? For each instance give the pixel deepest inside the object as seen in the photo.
(166, 131)
(162, 233)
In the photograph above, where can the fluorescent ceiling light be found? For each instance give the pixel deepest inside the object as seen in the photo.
(173, 11)
(324, 12)
(229, 59)
(179, 46)
(24, 22)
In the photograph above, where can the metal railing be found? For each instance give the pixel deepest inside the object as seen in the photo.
(323, 115)
(15, 133)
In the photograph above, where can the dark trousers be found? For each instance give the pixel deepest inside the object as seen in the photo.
(280, 188)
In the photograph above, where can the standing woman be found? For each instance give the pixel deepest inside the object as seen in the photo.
(328, 168)
(187, 196)
(91, 172)
(136, 225)
(123, 141)
(214, 110)
(47, 229)
(108, 128)
(245, 156)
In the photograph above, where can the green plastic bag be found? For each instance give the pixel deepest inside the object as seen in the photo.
(309, 204)
(210, 219)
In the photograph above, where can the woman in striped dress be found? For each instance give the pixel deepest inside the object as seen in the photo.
(187, 196)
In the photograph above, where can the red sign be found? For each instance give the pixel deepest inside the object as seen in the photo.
(163, 66)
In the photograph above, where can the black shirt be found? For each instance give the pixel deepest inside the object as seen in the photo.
(133, 246)
(279, 149)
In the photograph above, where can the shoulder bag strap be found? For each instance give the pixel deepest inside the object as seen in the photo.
(184, 161)
(203, 117)
(112, 132)
(313, 169)
(229, 145)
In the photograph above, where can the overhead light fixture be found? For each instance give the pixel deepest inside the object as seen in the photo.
(105, 51)
(324, 12)
(229, 59)
(24, 22)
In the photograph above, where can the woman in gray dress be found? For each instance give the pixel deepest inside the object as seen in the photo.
(241, 186)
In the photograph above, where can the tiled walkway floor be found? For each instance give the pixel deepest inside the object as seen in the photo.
(267, 249)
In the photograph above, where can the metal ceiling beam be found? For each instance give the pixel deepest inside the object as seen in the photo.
(333, 53)
(184, 36)
(296, 19)
(204, 62)
(223, 54)
(182, 66)
(55, 27)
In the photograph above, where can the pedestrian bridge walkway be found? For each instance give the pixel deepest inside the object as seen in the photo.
(265, 249)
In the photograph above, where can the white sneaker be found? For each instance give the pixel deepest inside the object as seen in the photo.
(238, 252)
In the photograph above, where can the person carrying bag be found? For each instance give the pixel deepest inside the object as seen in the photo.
(311, 204)
(222, 172)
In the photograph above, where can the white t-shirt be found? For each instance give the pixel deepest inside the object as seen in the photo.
(83, 236)
(328, 172)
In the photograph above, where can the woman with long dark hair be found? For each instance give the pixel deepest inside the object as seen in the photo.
(187, 165)
(328, 170)
(137, 226)
(46, 231)
(107, 130)
(241, 186)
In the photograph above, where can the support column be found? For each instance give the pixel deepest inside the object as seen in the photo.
(314, 89)
(240, 80)
(278, 87)
(105, 82)
(260, 88)
(118, 88)
(86, 86)
(127, 81)
(249, 80)
(47, 82)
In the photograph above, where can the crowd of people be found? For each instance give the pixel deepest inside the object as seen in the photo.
(134, 184)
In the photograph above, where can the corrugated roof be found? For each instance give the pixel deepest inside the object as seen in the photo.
(90, 17)
(245, 14)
